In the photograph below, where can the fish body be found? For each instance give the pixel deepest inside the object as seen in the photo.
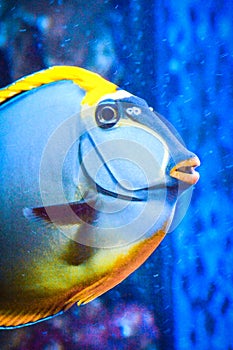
(90, 180)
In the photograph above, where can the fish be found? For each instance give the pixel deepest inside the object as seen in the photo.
(91, 181)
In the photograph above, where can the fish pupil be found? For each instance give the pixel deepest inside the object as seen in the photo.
(108, 114)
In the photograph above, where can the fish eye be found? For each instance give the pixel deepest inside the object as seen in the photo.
(106, 115)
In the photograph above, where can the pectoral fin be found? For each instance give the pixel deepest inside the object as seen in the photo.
(63, 214)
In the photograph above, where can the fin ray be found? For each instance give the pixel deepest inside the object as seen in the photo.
(63, 214)
(29, 314)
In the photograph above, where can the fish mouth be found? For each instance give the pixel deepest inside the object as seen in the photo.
(185, 171)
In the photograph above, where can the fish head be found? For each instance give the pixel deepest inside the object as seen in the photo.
(135, 156)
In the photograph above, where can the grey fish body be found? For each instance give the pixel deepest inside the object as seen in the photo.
(24, 133)
(89, 188)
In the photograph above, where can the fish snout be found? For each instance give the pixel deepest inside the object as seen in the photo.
(185, 170)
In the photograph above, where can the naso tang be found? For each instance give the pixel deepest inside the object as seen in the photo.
(91, 181)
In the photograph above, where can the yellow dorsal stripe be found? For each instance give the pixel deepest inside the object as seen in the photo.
(94, 85)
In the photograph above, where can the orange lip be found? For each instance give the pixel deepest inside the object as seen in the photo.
(185, 171)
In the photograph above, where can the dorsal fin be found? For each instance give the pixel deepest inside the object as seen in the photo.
(94, 85)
